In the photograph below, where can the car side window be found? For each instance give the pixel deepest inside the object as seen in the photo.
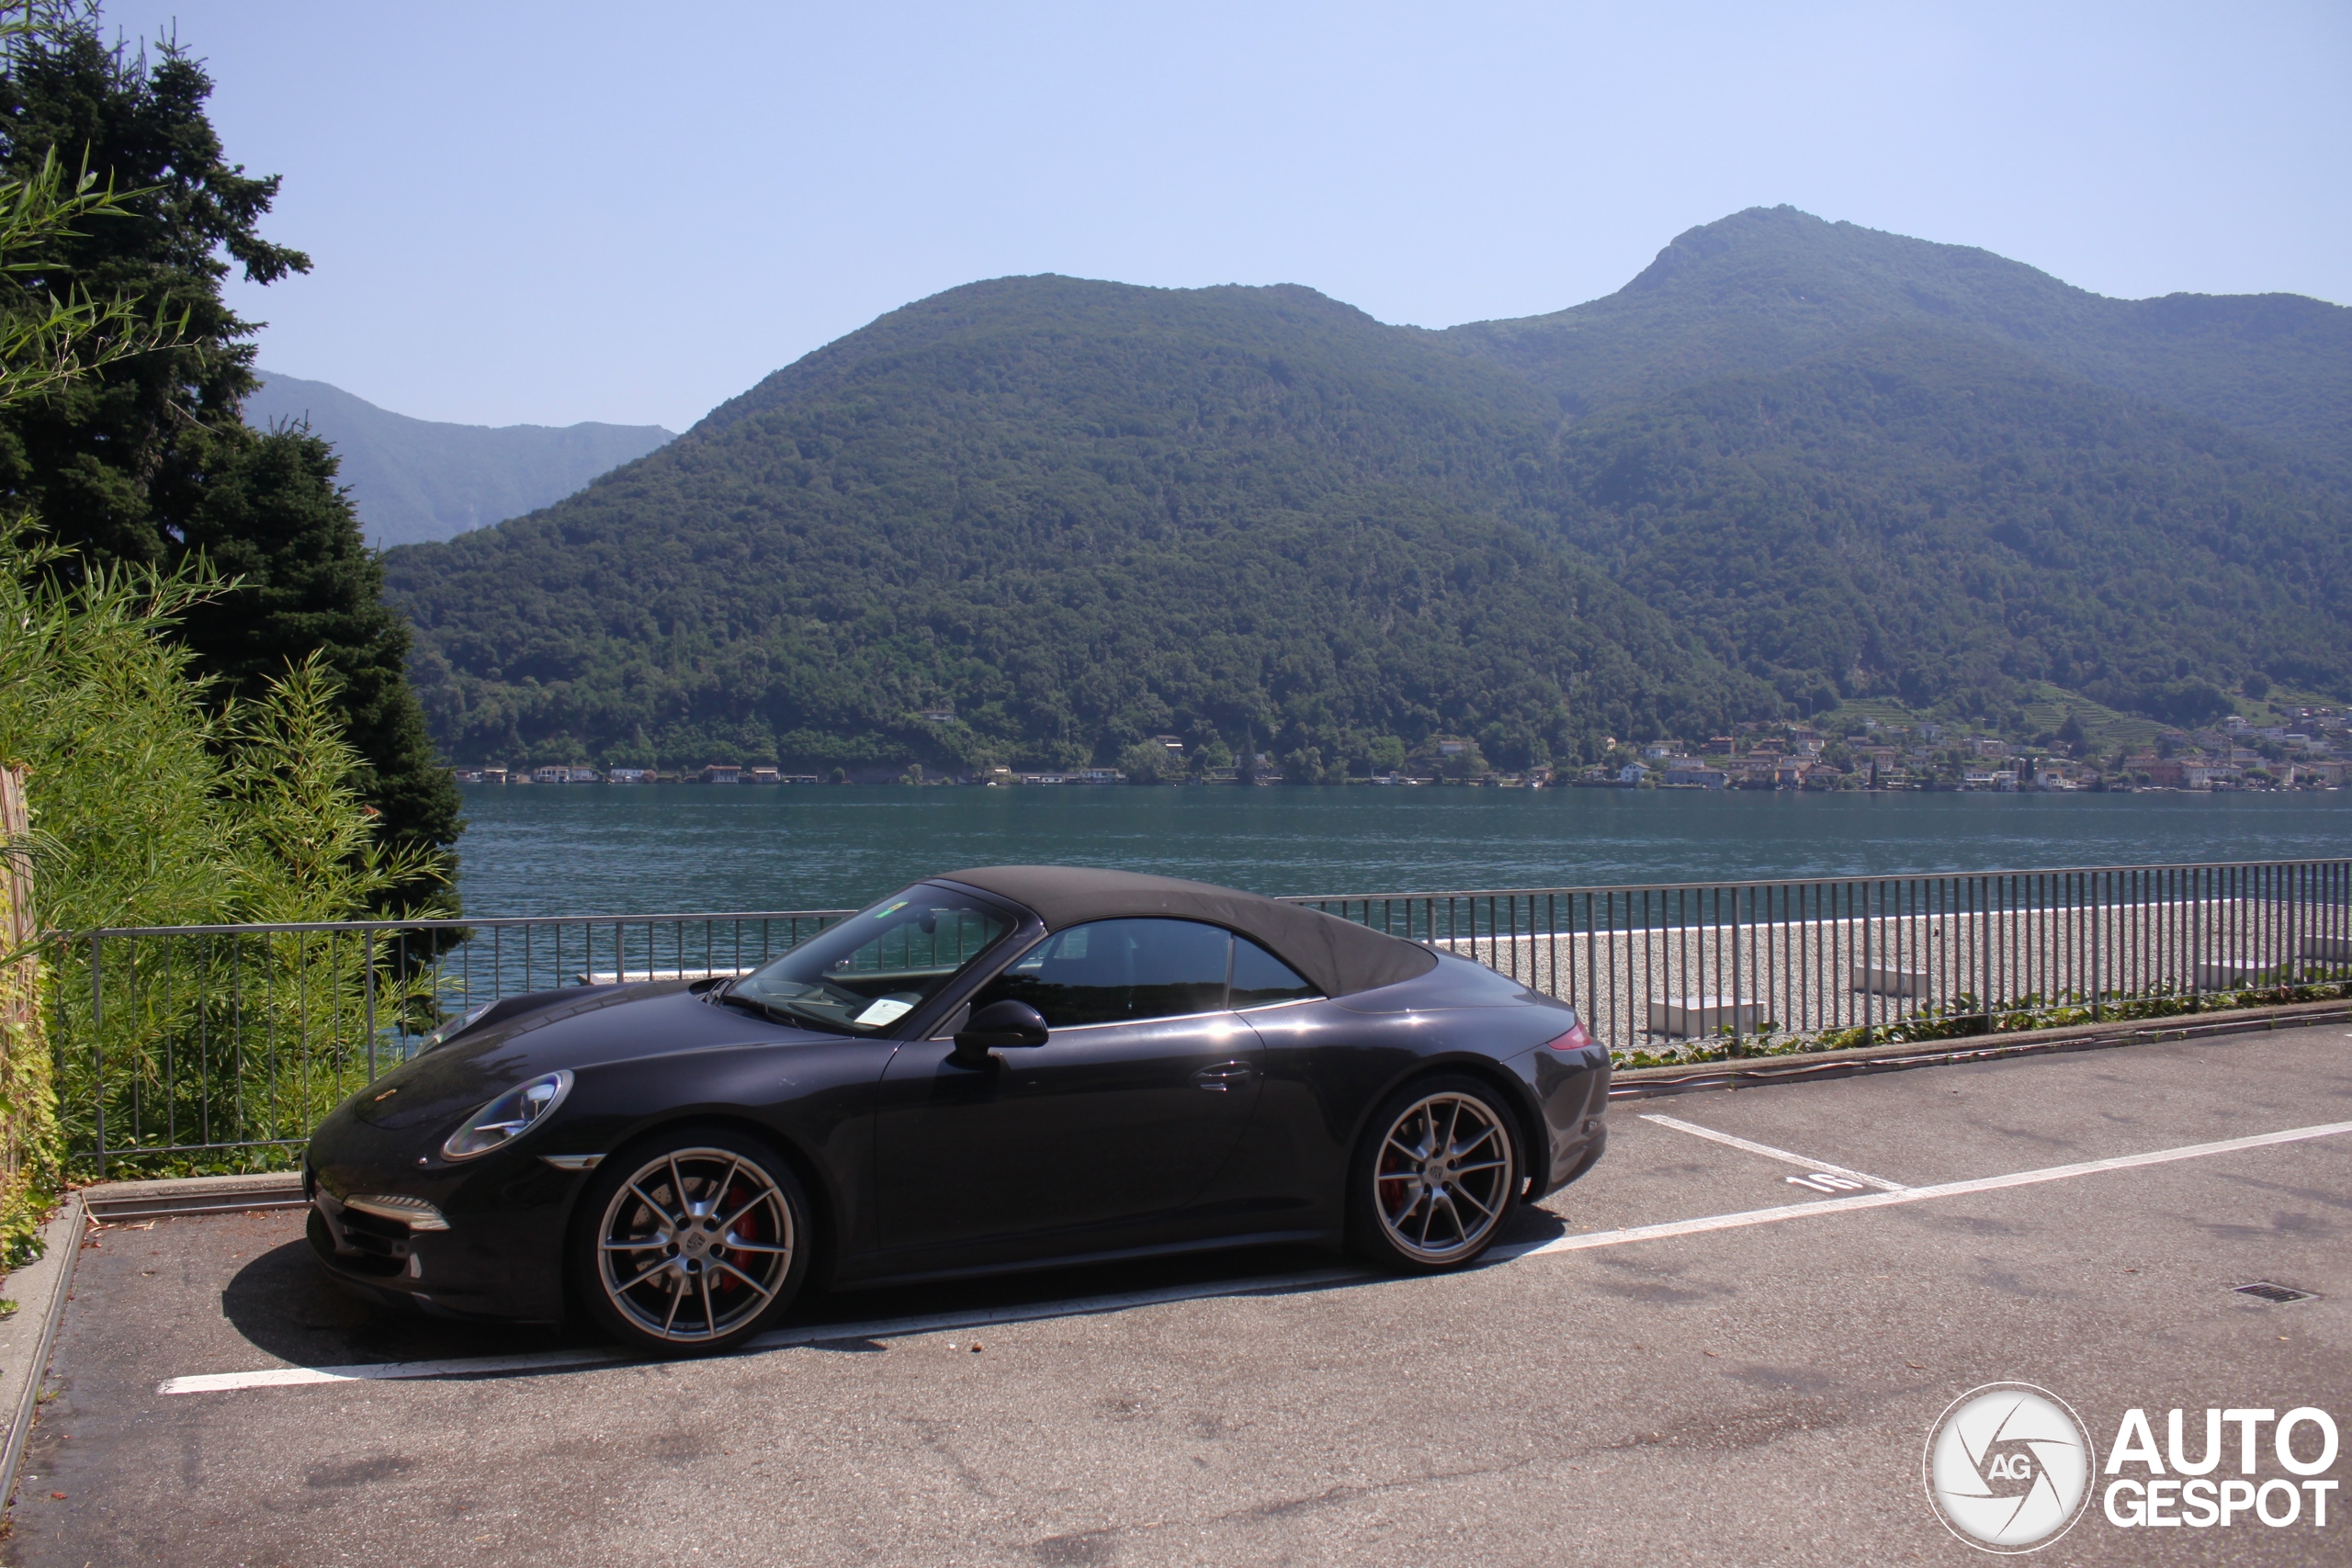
(1112, 971)
(1260, 979)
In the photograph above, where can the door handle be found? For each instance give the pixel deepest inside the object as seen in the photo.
(1223, 1076)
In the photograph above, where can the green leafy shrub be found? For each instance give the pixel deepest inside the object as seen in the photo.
(152, 807)
(1965, 1018)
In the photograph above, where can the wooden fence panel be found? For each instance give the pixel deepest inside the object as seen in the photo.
(24, 1111)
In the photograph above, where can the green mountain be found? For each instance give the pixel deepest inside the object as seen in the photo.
(1080, 514)
(1765, 289)
(1795, 463)
(1933, 517)
(415, 479)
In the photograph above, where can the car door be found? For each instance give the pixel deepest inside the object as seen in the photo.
(1127, 1111)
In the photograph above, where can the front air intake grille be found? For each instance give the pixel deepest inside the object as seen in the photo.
(2277, 1296)
(378, 1264)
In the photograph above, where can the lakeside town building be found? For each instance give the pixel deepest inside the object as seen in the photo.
(2313, 750)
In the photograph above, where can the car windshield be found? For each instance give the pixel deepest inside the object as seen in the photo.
(865, 973)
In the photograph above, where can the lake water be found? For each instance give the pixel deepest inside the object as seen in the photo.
(603, 848)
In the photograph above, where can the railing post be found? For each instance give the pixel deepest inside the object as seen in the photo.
(1984, 949)
(2097, 897)
(97, 1049)
(1738, 941)
(367, 947)
(1870, 952)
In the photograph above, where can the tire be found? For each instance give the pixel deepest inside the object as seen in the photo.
(1434, 1176)
(647, 1263)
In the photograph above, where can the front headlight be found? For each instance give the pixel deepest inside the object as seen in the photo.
(508, 1117)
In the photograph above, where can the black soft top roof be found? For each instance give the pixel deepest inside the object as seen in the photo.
(1337, 956)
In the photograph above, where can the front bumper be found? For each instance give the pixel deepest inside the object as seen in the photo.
(502, 1255)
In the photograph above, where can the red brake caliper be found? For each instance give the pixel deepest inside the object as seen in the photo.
(746, 1229)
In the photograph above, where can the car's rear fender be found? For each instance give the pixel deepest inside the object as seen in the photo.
(1329, 1069)
(1457, 983)
(1517, 1091)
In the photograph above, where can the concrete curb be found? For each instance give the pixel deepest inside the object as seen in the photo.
(110, 1201)
(28, 1334)
(1754, 1072)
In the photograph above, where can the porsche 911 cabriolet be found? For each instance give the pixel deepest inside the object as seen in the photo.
(1002, 1068)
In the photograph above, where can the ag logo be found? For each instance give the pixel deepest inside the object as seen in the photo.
(2009, 1467)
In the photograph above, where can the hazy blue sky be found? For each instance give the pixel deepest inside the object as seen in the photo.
(544, 212)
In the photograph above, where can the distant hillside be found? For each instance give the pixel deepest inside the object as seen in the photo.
(417, 479)
(1081, 513)
(1932, 516)
(1764, 288)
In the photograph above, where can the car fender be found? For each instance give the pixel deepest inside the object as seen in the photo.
(814, 1106)
(1346, 1061)
(1514, 1082)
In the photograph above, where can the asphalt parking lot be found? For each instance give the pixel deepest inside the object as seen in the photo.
(1728, 1344)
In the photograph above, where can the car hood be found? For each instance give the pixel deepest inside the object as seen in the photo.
(585, 1028)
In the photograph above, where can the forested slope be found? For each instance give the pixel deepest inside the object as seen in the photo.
(1761, 289)
(1080, 514)
(1928, 516)
(1795, 462)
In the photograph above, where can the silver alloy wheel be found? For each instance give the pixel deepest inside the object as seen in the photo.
(695, 1244)
(1444, 1175)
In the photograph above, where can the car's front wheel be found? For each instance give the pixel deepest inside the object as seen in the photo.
(692, 1242)
(1434, 1176)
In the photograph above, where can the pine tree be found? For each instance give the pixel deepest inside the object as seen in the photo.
(113, 462)
(148, 460)
(271, 516)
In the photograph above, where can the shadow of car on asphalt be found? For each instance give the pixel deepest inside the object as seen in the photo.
(286, 1306)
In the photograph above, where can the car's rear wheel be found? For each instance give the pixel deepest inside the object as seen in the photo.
(1435, 1176)
(692, 1242)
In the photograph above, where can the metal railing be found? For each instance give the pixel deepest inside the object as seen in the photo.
(1675, 972)
(203, 1047)
(189, 1048)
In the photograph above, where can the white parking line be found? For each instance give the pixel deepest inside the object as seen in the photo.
(1768, 1151)
(886, 1328)
(1917, 1195)
(778, 1339)
(295, 1376)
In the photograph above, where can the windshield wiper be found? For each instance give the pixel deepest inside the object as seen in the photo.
(778, 1013)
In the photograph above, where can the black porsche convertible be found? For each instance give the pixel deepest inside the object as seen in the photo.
(996, 1069)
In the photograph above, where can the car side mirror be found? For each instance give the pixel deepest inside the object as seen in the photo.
(1000, 1026)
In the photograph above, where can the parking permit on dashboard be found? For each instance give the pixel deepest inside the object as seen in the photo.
(885, 1011)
